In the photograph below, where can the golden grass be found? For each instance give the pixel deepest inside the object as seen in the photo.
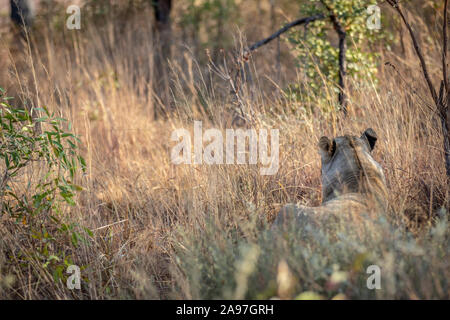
(136, 201)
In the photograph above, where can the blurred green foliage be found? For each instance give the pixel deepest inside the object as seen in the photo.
(317, 49)
(212, 16)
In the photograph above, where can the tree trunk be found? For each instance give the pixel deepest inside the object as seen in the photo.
(444, 115)
(446, 141)
(342, 71)
(342, 97)
(163, 53)
(22, 12)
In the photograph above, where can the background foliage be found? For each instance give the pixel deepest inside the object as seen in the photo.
(317, 49)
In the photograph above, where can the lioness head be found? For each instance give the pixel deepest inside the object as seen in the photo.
(348, 166)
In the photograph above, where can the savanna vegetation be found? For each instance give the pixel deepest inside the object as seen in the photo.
(86, 178)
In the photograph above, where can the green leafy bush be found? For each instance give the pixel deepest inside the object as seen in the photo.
(39, 161)
(317, 51)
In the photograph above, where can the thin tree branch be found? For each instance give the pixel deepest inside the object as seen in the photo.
(396, 6)
(444, 49)
(442, 100)
(284, 29)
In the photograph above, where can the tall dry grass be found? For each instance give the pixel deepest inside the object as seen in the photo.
(188, 231)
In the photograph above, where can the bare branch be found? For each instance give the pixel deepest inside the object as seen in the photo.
(396, 6)
(284, 29)
(444, 49)
(442, 99)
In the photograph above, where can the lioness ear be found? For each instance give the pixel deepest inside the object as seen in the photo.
(371, 137)
(326, 146)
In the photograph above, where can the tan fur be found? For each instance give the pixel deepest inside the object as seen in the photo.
(353, 183)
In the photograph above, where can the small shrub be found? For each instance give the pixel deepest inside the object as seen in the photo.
(39, 162)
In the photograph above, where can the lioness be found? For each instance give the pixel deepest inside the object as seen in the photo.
(353, 183)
